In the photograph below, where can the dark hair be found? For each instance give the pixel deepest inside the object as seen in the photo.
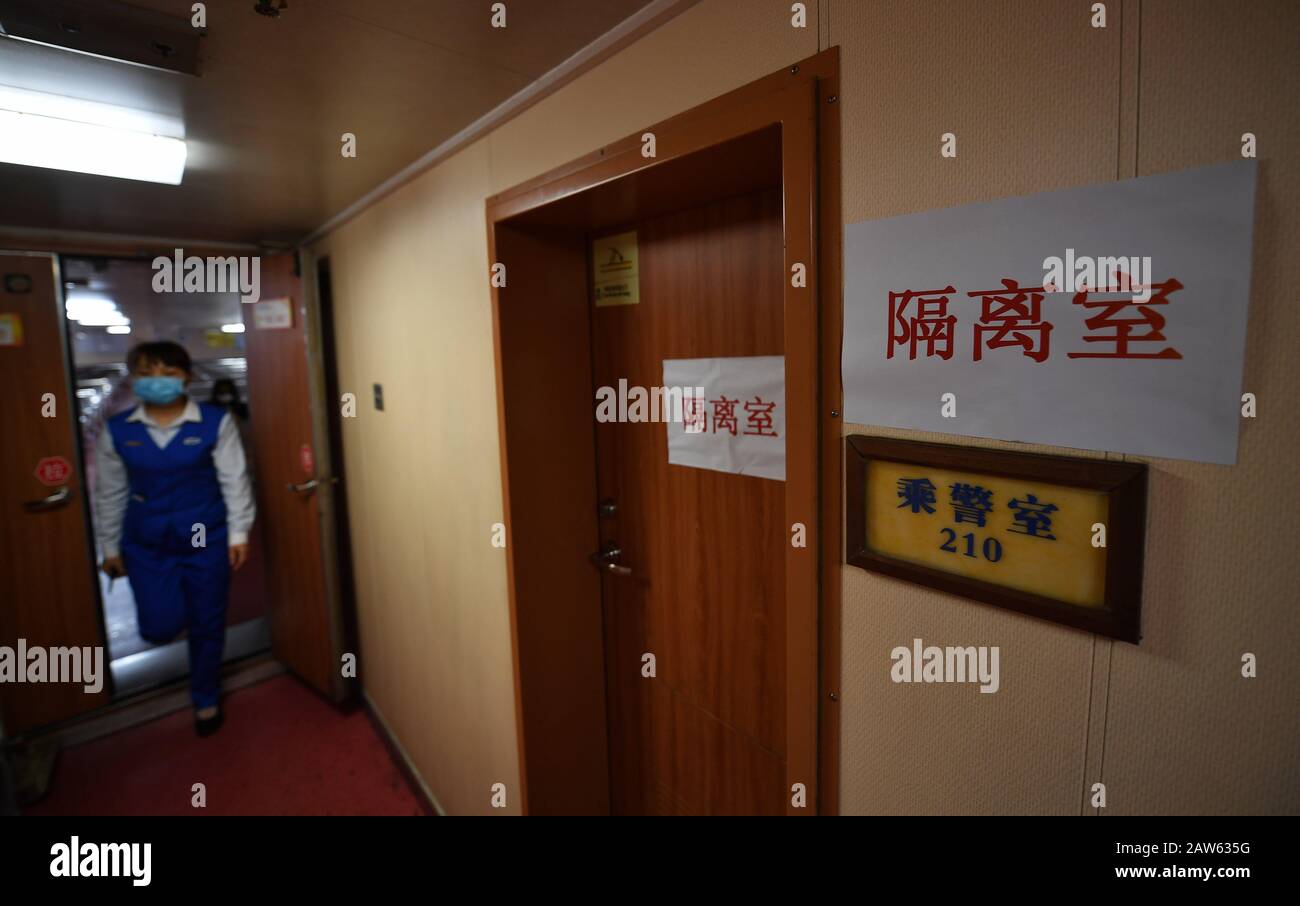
(164, 352)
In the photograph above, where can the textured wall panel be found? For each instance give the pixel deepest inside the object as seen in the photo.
(1031, 92)
(1186, 732)
(425, 481)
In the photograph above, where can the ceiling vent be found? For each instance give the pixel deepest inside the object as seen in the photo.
(107, 29)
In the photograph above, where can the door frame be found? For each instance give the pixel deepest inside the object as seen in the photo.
(810, 184)
(58, 245)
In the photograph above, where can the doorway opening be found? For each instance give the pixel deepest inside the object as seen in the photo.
(671, 642)
(110, 306)
(342, 575)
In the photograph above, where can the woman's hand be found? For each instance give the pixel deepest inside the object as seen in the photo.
(113, 567)
(238, 555)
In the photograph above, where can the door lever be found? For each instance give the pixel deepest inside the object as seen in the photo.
(55, 500)
(310, 485)
(606, 560)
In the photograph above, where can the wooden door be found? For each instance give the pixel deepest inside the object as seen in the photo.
(47, 584)
(288, 486)
(706, 549)
(742, 706)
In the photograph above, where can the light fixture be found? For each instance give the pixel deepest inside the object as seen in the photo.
(38, 129)
(232, 328)
(119, 328)
(90, 310)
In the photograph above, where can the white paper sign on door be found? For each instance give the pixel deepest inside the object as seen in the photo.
(738, 425)
(273, 314)
(963, 301)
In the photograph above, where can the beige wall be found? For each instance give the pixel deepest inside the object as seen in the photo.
(1038, 100)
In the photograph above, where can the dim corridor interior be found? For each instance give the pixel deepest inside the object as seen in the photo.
(1039, 100)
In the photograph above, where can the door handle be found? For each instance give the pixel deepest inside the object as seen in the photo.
(606, 560)
(54, 501)
(310, 485)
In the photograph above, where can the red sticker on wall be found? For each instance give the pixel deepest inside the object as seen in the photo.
(307, 460)
(53, 470)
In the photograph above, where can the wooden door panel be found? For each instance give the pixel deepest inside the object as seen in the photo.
(707, 735)
(720, 597)
(704, 767)
(47, 591)
(280, 414)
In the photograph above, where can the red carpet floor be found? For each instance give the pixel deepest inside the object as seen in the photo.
(282, 751)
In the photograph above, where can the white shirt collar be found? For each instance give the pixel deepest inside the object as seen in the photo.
(191, 414)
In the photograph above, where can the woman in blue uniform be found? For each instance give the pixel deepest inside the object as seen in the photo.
(174, 507)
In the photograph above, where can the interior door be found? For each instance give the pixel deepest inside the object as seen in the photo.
(705, 550)
(290, 487)
(47, 585)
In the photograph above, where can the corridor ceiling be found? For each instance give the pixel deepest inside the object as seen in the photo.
(263, 118)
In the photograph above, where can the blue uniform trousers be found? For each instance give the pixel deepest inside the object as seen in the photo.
(180, 587)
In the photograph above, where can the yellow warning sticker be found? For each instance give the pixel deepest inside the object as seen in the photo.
(11, 329)
(218, 339)
(615, 275)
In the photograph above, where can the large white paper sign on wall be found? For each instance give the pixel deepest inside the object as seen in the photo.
(1109, 317)
(733, 415)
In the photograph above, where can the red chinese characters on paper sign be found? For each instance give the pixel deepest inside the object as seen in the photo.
(1012, 317)
(724, 415)
(920, 317)
(758, 418)
(695, 414)
(1108, 319)
(719, 416)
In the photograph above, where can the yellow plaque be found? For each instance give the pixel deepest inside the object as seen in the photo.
(1056, 537)
(1028, 535)
(615, 274)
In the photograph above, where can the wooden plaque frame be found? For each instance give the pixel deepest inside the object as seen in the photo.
(1125, 484)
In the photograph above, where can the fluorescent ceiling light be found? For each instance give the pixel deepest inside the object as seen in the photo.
(94, 311)
(232, 328)
(38, 129)
(119, 328)
(112, 319)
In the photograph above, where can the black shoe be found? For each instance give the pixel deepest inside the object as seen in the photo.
(206, 726)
